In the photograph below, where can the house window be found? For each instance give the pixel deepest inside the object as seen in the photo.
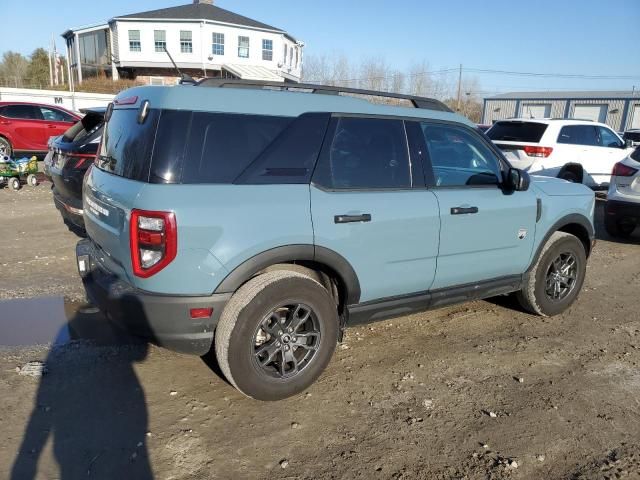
(218, 44)
(243, 47)
(267, 50)
(186, 43)
(285, 54)
(160, 40)
(297, 58)
(134, 41)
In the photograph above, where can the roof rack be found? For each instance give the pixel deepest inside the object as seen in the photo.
(417, 102)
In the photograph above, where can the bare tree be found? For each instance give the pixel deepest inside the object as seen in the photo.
(13, 69)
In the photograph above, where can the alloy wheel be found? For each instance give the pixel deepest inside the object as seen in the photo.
(561, 277)
(286, 340)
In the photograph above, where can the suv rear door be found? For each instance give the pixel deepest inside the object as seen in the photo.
(485, 233)
(370, 205)
(513, 136)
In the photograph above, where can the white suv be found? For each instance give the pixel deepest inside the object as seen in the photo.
(622, 213)
(576, 150)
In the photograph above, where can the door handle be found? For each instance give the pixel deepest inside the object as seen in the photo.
(365, 217)
(463, 210)
(51, 126)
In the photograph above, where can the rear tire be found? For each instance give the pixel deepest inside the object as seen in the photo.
(554, 282)
(261, 348)
(618, 228)
(14, 183)
(32, 180)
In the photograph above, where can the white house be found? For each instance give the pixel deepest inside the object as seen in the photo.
(203, 39)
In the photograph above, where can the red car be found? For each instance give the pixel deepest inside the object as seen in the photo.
(25, 128)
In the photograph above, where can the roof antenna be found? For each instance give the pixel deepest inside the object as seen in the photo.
(185, 78)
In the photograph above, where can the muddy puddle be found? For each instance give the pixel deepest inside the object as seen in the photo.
(54, 321)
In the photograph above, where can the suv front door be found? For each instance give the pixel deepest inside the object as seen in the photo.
(485, 233)
(370, 205)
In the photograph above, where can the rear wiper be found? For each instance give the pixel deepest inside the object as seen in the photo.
(107, 160)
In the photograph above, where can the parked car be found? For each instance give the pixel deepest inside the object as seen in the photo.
(622, 211)
(261, 222)
(69, 157)
(576, 150)
(25, 128)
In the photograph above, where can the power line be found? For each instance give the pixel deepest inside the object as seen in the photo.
(553, 75)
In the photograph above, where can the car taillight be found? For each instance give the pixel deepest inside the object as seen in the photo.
(534, 151)
(81, 159)
(622, 170)
(153, 238)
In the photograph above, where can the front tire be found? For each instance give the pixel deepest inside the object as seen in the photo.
(5, 147)
(554, 282)
(32, 180)
(276, 335)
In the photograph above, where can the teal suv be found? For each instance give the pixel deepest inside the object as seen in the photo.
(260, 220)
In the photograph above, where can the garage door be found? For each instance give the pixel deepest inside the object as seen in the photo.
(597, 113)
(635, 119)
(530, 110)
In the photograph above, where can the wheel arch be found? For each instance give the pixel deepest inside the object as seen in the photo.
(321, 259)
(572, 167)
(575, 224)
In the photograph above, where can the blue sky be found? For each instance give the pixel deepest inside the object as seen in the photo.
(588, 37)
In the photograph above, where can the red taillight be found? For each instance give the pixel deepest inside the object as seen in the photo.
(81, 158)
(535, 151)
(200, 312)
(153, 239)
(622, 170)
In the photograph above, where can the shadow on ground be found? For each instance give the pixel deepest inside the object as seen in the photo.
(90, 405)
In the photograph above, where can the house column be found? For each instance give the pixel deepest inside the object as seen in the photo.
(78, 63)
(114, 68)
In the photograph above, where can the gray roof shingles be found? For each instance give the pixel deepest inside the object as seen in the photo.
(199, 11)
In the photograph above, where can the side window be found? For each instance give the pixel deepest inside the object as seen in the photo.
(55, 115)
(459, 157)
(365, 153)
(291, 157)
(23, 112)
(609, 139)
(578, 135)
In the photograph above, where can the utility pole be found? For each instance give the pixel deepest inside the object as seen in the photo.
(459, 87)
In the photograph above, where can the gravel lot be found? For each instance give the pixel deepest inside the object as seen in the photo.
(476, 391)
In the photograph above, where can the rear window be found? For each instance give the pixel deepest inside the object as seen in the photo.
(528, 132)
(127, 145)
(86, 127)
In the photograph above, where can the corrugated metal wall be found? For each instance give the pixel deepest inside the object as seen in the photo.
(615, 109)
(557, 107)
(498, 110)
(501, 109)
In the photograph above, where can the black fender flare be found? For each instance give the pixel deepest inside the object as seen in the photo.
(572, 167)
(295, 253)
(573, 218)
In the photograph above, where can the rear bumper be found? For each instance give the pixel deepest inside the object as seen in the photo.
(70, 210)
(162, 319)
(616, 208)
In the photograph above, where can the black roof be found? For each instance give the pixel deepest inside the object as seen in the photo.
(200, 11)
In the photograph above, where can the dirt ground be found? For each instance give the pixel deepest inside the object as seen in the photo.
(477, 391)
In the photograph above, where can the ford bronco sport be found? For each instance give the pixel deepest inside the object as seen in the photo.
(260, 220)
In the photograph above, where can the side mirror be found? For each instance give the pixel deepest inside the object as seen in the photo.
(517, 180)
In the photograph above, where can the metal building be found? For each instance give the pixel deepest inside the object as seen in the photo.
(618, 109)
